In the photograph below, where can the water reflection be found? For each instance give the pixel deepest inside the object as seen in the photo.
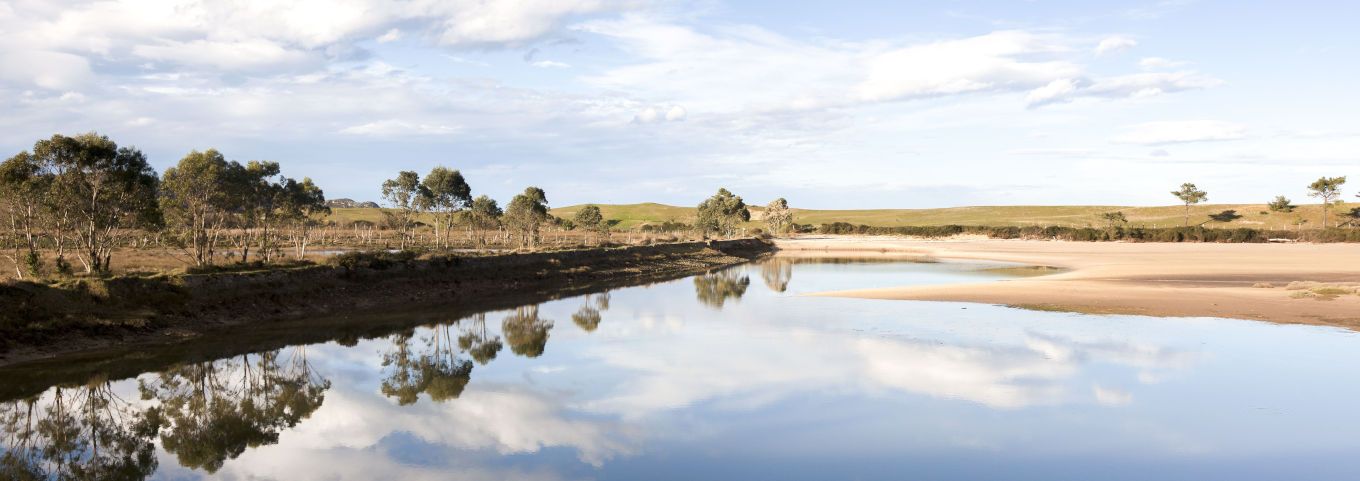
(670, 388)
(715, 288)
(526, 332)
(436, 370)
(77, 432)
(477, 341)
(777, 273)
(212, 411)
(588, 316)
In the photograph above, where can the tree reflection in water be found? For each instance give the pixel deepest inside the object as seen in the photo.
(438, 371)
(777, 272)
(213, 411)
(588, 316)
(526, 332)
(479, 343)
(84, 432)
(204, 413)
(715, 288)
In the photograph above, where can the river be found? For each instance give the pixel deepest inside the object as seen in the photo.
(731, 375)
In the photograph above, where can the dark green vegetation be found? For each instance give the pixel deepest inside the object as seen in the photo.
(86, 313)
(1090, 234)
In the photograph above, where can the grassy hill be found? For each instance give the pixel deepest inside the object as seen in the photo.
(1253, 215)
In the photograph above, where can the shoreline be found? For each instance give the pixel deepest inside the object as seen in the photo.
(118, 318)
(1152, 279)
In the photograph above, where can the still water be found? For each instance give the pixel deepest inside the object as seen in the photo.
(727, 376)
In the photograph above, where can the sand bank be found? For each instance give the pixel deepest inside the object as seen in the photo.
(1155, 279)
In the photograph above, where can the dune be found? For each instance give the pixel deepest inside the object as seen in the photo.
(1284, 283)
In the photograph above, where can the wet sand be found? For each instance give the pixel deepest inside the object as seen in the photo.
(1154, 279)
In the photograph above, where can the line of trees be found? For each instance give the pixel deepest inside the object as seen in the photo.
(1327, 189)
(82, 195)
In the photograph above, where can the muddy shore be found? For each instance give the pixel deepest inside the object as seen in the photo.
(111, 322)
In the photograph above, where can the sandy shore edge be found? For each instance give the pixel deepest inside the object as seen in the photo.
(1153, 279)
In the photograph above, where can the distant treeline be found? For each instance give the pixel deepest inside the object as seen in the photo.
(1091, 234)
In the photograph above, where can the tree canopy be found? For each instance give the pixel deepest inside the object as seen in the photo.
(721, 213)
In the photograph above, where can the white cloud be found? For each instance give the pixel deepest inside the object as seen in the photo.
(1057, 89)
(391, 36)
(1139, 85)
(1158, 63)
(45, 69)
(1111, 396)
(1114, 44)
(549, 64)
(676, 113)
(996, 61)
(398, 128)
(1181, 131)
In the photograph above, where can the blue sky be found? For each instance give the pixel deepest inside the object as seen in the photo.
(829, 104)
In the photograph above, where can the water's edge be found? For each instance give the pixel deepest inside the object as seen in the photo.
(213, 316)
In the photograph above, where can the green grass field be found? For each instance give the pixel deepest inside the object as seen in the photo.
(1253, 215)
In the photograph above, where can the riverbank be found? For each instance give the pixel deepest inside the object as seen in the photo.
(88, 316)
(1285, 283)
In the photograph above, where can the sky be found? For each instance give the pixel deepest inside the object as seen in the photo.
(837, 105)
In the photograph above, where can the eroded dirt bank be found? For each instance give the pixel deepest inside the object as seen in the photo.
(104, 321)
(1286, 283)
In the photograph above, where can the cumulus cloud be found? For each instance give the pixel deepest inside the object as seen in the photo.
(1181, 131)
(652, 115)
(1114, 44)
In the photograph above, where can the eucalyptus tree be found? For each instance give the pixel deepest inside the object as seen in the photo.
(25, 203)
(198, 200)
(256, 193)
(299, 203)
(482, 216)
(721, 213)
(778, 216)
(1190, 195)
(1328, 189)
(445, 193)
(404, 194)
(526, 213)
(98, 188)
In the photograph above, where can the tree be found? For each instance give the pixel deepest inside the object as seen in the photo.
(483, 215)
(526, 213)
(721, 213)
(1190, 195)
(24, 201)
(1327, 189)
(97, 188)
(778, 217)
(446, 193)
(299, 203)
(196, 203)
(254, 193)
(1281, 204)
(404, 194)
(590, 219)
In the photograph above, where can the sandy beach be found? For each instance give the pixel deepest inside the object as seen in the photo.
(1241, 281)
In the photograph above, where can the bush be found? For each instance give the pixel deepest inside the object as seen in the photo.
(1087, 234)
(378, 260)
